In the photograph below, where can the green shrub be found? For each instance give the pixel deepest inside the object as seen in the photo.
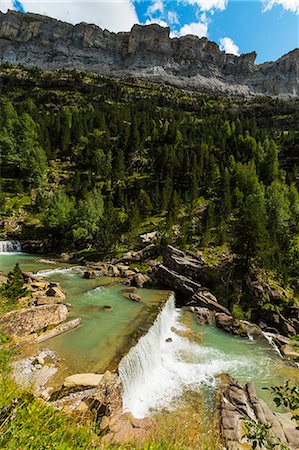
(238, 312)
(13, 289)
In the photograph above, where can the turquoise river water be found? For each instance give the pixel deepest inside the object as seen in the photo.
(156, 366)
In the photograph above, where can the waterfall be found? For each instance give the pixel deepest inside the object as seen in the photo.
(163, 363)
(136, 368)
(10, 247)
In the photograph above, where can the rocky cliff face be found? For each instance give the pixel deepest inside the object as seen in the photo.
(146, 52)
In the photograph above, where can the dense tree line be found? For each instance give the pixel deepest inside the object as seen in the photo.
(130, 156)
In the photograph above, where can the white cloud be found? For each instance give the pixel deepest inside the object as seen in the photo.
(208, 5)
(228, 45)
(115, 15)
(160, 22)
(173, 17)
(288, 5)
(200, 29)
(156, 6)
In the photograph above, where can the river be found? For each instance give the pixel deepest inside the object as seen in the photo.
(173, 354)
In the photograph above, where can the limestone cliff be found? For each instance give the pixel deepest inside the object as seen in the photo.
(146, 52)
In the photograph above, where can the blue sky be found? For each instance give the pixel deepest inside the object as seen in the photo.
(270, 27)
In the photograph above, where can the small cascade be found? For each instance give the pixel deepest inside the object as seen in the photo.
(270, 338)
(10, 247)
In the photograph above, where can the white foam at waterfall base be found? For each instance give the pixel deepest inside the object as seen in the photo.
(10, 247)
(155, 371)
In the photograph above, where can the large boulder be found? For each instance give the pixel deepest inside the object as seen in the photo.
(140, 280)
(206, 299)
(176, 281)
(290, 352)
(89, 274)
(238, 327)
(83, 379)
(26, 321)
(55, 291)
(185, 263)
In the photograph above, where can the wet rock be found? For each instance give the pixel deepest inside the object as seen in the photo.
(204, 316)
(135, 298)
(128, 290)
(106, 404)
(107, 308)
(89, 274)
(238, 327)
(108, 394)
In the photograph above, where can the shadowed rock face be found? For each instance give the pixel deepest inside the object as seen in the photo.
(146, 52)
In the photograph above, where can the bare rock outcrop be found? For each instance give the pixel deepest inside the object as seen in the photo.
(176, 281)
(238, 404)
(205, 299)
(23, 322)
(146, 52)
(186, 263)
(59, 329)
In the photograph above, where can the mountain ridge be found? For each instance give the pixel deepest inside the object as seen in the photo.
(146, 52)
